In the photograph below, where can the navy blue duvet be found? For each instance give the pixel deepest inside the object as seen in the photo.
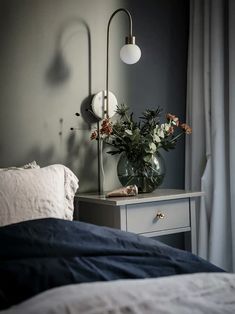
(41, 254)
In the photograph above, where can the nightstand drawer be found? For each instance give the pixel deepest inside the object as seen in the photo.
(158, 216)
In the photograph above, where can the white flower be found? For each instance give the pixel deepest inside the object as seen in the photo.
(129, 132)
(166, 127)
(156, 138)
(160, 131)
(152, 147)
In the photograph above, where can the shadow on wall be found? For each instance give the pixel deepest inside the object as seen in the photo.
(80, 151)
(42, 157)
(59, 71)
(76, 158)
(83, 162)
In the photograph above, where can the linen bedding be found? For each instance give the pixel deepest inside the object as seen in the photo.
(42, 254)
(203, 293)
(49, 264)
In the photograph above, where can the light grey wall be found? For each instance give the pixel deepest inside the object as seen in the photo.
(52, 58)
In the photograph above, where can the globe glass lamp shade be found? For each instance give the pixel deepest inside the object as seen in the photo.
(130, 53)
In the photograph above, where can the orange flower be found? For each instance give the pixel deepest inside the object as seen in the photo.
(94, 135)
(173, 118)
(186, 128)
(106, 127)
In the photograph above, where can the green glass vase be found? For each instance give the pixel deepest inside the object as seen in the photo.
(148, 176)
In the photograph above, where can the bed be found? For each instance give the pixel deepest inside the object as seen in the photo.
(51, 264)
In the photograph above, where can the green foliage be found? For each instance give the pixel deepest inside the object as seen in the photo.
(141, 139)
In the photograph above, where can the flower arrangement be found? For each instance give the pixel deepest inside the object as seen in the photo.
(141, 140)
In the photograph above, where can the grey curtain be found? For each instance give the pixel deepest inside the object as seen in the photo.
(210, 151)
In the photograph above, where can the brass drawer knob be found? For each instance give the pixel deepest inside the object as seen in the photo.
(160, 215)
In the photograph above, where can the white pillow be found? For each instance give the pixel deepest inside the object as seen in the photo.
(37, 193)
(31, 165)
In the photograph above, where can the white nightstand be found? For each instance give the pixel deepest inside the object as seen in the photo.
(154, 214)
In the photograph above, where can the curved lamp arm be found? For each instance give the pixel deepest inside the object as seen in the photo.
(104, 103)
(130, 40)
(108, 31)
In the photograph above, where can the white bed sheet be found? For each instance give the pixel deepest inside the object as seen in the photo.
(196, 293)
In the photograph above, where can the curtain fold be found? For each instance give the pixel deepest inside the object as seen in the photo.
(210, 154)
(231, 45)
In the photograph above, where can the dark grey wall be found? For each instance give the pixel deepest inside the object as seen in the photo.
(53, 56)
(160, 77)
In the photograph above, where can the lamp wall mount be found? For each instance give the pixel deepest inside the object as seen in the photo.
(98, 104)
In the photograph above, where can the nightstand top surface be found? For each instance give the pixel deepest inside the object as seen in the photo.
(158, 195)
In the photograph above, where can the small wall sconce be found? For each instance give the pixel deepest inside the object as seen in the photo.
(104, 103)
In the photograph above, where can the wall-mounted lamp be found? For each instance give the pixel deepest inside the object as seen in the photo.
(104, 103)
